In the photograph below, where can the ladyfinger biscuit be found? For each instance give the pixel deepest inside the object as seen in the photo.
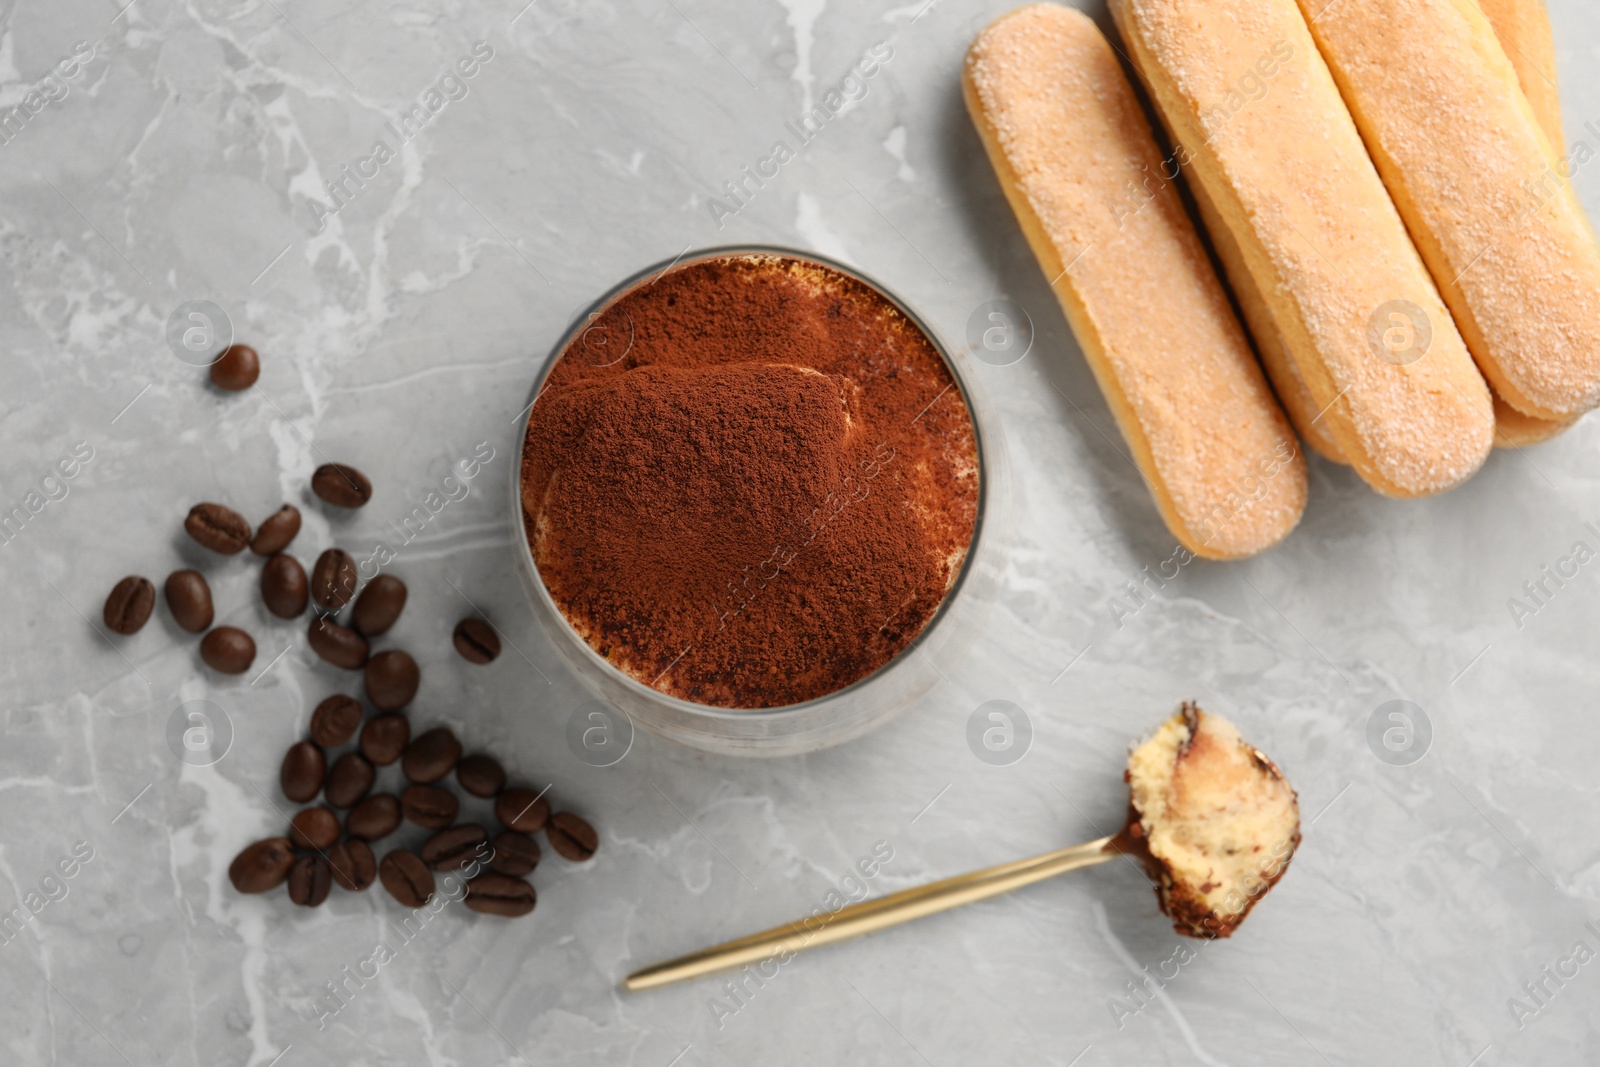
(1462, 154)
(1287, 172)
(1076, 160)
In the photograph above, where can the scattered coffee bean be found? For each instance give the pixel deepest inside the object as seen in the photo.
(262, 866)
(348, 780)
(384, 738)
(391, 679)
(221, 529)
(431, 756)
(128, 607)
(522, 810)
(376, 817)
(571, 836)
(283, 586)
(276, 531)
(339, 645)
(189, 600)
(333, 579)
(452, 849)
(309, 881)
(500, 894)
(341, 485)
(476, 640)
(429, 806)
(228, 650)
(353, 865)
(379, 605)
(236, 369)
(314, 828)
(335, 720)
(514, 853)
(481, 775)
(304, 767)
(406, 878)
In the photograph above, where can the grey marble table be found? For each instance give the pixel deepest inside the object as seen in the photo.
(182, 152)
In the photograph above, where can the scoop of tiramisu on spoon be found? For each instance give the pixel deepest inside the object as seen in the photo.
(1212, 819)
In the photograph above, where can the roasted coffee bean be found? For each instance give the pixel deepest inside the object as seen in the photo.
(283, 586)
(228, 649)
(522, 810)
(304, 767)
(571, 836)
(335, 720)
(221, 529)
(406, 878)
(514, 853)
(353, 865)
(262, 866)
(276, 531)
(429, 806)
(391, 679)
(314, 828)
(384, 738)
(348, 780)
(309, 881)
(339, 645)
(379, 605)
(500, 894)
(481, 775)
(189, 600)
(333, 579)
(452, 849)
(476, 640)
(236, 369)
(376, 817)
(341, 485)
(128, 607)
(431, 756)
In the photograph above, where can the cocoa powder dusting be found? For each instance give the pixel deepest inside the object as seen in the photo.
(749, 483)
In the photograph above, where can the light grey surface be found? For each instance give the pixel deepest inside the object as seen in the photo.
(179, 166)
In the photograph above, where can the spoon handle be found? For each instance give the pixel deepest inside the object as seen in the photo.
(871, 915)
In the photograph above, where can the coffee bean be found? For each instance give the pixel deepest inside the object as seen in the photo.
(262, 866)
(339, 645)
(189, 600)
(309, 881)
(128, 607)
(429, 806)
(343, 486)
(348, 780)
(522, 810)
(514, 853)
(304, 767)
(571, 837)
(481, 775)
(333, 579)
(452, 849)
(376, 817)
(228, 649)
(236, 369)
(391, 678)
(353, 865)
(500, 894)
(384, 738)
(314, 828)
(431, 756)
(379, 605)
(406, 878)
(476, 640)
(276, 531)
(335, 720)
(221, 529)
(283, 586)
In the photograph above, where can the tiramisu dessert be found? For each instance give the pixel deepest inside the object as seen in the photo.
(749, 481)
